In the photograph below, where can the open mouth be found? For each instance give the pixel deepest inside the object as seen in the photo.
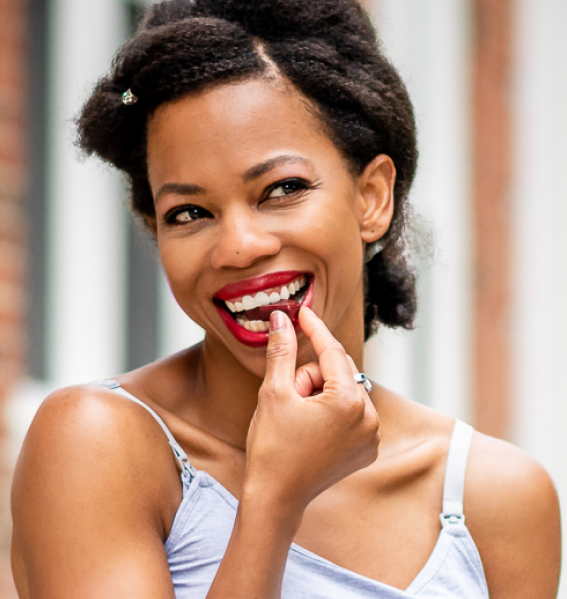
(246, 306)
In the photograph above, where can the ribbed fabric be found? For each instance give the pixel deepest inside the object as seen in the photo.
(205, 519)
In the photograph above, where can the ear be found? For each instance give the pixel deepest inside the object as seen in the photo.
(376, 198)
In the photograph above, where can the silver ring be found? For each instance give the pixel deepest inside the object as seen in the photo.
(361, 378)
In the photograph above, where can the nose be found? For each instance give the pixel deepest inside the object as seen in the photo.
(241, 239)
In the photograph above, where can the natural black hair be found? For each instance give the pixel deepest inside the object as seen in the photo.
(327, 49)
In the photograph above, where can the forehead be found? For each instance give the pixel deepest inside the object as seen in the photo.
(233, 126)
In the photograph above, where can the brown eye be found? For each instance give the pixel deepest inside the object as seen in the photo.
(286, 188)
(186, 214)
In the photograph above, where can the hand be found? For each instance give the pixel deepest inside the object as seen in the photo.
(312, 427)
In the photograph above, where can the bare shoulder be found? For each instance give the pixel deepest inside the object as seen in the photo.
(89, 488)
(95, 428)
(93, 432)
(512, 511)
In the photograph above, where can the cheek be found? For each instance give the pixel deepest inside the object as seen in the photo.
(332, 232)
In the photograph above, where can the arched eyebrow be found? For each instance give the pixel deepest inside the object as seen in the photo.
(184, 189)
(255, 172)
(265, 167)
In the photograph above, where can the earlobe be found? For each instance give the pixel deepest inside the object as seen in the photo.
(376, 190)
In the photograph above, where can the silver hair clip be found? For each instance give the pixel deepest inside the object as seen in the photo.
(128, 98)
(371, 250)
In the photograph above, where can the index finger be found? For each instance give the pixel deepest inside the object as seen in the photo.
(333, 359)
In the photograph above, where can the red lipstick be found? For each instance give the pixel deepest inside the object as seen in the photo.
(251, 287)
(255, 284)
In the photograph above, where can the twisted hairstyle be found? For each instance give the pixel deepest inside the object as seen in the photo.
(327, 49)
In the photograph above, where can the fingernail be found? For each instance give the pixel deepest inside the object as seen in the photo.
(277, 321)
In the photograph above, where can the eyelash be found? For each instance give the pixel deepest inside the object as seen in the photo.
(301, 186)
(171, 217)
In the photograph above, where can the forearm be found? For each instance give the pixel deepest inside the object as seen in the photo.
(255, 559)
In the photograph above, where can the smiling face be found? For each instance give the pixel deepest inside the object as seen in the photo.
(256, 209)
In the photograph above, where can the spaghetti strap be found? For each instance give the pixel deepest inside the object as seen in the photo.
(454, 484)
(178, 452)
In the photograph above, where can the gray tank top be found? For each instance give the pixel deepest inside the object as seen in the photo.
(204, 521)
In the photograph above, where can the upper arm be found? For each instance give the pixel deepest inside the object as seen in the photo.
(88, 522)
(513, 514)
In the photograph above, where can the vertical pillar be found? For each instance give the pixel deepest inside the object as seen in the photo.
(13, 163)
(539, 257)
(85, 337)
(492, 114)
(429, 42)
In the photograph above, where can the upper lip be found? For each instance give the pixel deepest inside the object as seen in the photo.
(255, 284)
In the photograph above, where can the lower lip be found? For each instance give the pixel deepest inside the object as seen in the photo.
(250, 338)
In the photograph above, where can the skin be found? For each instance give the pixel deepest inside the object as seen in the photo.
(96, 487)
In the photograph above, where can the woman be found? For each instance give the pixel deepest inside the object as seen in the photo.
(270, 148)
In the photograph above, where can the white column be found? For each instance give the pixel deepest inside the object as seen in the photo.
(85, 241)
(429, 41)
(540, 244)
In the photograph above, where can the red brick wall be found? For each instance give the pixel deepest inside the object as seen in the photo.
(13, 76)
(492, 152)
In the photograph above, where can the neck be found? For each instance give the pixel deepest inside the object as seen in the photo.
(228, 395)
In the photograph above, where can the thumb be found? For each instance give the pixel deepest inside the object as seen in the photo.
(281, 353)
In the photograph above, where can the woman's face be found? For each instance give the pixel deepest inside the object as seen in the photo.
(255, 207)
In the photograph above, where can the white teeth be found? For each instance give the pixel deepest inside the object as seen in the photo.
(256, 326)
(262, 299)
(248, 302)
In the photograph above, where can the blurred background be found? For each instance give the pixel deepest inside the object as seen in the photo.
(81, 292)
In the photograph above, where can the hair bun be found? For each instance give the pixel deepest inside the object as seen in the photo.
(273, 20)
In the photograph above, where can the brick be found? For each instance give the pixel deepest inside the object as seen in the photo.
(13, 112)
(11, 371)
(12, 82)
(12, 262)
(12, 223)
(12, 347)
(13, 181)
(12, 301)
(11, 102)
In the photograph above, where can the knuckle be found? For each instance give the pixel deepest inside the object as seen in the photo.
(343, 391)
(333, 387)
(374, 422)
(371, 430)
(270, 389)
(357, 406)
(277, 350)
(353, 412)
